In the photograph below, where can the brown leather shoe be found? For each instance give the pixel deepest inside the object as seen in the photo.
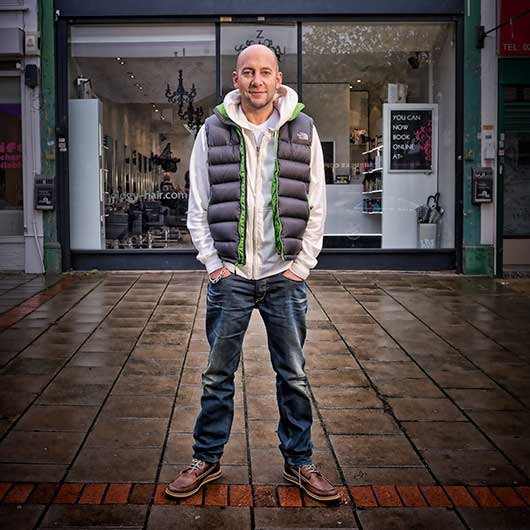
(311, 480)
(193, 478)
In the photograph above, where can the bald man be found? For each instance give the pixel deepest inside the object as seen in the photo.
(256, 216)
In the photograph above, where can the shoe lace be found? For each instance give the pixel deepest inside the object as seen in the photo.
(309, 468)
(195, 465)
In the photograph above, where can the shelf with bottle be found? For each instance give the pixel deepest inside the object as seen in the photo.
(377, 169)
(373, 206)
(374, 145)
(372, 184)
(373, 149)
(373, 164)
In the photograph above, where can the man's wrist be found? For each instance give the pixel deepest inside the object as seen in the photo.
(288, 273)
(300, 271)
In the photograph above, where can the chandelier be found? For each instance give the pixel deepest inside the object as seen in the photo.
(184, 99)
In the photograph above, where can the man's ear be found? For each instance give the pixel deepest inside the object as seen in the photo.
(235, 81)
(279, 79)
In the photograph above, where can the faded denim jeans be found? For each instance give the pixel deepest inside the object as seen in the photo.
(282, 304)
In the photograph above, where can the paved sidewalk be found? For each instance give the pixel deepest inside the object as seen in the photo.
(16, 287)
(420, 385)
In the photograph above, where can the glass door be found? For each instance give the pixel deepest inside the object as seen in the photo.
(515, 172)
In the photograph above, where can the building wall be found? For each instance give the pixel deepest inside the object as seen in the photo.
(488, 111)
(478, 258)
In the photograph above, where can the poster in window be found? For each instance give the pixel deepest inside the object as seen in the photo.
(411, 140)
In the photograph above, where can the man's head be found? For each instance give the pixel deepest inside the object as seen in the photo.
(257, 76)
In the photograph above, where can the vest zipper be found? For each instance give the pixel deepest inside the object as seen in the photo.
(242, 226)
(256, 191)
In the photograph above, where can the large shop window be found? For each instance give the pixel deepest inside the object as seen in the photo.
(383, 100)
(11, 193)
(137, 96)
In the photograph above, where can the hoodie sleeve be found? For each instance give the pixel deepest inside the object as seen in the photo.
(314, 233)
(199, 196)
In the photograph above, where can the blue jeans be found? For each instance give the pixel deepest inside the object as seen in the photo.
(282, 304)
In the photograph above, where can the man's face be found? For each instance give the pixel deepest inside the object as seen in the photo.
(257, 78)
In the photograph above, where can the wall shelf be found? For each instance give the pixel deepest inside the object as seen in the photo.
(353, 235)
(374, 149)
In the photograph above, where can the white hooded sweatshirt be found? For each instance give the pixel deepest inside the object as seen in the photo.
(262, 259)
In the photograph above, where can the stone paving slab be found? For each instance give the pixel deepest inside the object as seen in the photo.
(197, 517)
(410, 519)
(497, 519)
(420, 387)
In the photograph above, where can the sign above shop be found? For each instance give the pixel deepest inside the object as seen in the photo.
(411, 140)
(281, 39)
(264, 41)
(514, 37)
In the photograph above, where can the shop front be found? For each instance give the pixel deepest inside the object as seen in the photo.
(513, 217)
(21, 231)
(383, 85)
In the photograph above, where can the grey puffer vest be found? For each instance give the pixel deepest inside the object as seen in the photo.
(227, 210)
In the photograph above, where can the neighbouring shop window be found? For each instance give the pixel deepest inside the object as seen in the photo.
(516, 170)
(383, 99)
(11, 190)
(137, 96)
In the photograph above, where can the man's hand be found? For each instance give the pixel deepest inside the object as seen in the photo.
(223, 272)
(292, 276)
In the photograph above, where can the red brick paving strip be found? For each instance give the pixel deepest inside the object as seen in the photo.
(363, 496)
(216, 495)
(524, 492)
(43, 493)
(309, 501)
(194, 500)
(289, 496)
(411, 496)
(264, 496)
(141, 494)
(508, 497)
(484, 496)
(161, 497)
(92, 494)
(28, 306)
(68, 494)
(387, 496)
(240, 495)
(460, 496)
(19, 493)
(117, 494)
(4, 487)
(436, 496)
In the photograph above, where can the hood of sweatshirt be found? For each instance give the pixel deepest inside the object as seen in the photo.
(285, 102)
